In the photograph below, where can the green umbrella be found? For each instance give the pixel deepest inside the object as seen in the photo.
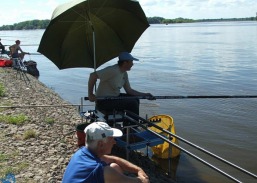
(88, 33)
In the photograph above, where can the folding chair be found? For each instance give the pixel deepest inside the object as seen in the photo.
(21, 69)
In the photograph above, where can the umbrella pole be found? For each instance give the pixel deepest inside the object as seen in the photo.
(94, 48)
(94, 56)
(94, 53)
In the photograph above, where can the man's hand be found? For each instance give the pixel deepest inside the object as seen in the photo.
(151, 97)
(92, 97)
(143, 177)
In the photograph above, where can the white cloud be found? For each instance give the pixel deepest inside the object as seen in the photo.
(199, 9)
(21, 10)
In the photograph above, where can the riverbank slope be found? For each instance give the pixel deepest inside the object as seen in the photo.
(38, 135)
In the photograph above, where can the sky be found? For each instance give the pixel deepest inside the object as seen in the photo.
(16, 11)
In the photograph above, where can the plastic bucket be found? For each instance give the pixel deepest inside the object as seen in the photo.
(80, 133)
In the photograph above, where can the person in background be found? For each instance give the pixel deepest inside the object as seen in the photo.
(14, 50)
(2, 47)
(93, 164)
(112, 79)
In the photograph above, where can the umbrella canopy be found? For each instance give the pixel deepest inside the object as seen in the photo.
(88, 33)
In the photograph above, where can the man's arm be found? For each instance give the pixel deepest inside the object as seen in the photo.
(126, 166)
(113, 176)
(131, 91)
(10, 48)
(91, 83)
(19, 48)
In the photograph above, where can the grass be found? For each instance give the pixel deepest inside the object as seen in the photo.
(2, 90)
(29, 134)
(4, 170)
(3, 157)
(49, 121)
(14, 119)
(14, 169)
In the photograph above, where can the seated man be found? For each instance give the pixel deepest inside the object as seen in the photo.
(14, 50)
(92, 164)
(2, 47)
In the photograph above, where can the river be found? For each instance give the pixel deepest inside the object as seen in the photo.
(217, 58)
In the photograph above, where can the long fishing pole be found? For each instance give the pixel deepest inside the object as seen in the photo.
(192, 144)
(35, 54)
(175, 97)
(35, 106)
(23, 45)
(182, 149)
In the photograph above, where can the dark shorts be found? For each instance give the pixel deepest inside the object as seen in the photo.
(15, 55)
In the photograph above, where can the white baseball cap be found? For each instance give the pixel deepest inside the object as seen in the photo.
(100, 130)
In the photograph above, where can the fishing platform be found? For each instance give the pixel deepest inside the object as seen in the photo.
(157, 132)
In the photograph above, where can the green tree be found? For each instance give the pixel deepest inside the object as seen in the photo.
(27, 25)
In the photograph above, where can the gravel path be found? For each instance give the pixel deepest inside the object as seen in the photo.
(44, 156)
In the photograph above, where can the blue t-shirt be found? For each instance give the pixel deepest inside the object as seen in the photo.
(84, 167)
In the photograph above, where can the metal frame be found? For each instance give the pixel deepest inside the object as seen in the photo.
(21, 70)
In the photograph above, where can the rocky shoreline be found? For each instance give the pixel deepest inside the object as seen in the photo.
(38, 150)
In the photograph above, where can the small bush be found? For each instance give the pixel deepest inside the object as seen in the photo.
(49, 121)
(29, 134)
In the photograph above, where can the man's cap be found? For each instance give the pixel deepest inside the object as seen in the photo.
(100, 130)
(124, 56)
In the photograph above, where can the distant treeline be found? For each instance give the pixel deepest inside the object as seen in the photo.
(27, 25)
(160, 20)
(42, 24)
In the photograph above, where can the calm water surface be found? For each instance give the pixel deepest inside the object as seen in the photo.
(185, 59)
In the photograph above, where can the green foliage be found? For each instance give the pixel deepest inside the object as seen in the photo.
(227, 19)
(160, 20)
(27, 25)
(15, 119)
(155, 20)
(177, 20)
(2, 90)
(42, 24)
(49, 121)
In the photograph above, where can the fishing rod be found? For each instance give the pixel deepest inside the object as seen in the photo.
(192, 144)
(34, 106)
(23, 45)
(175, 97)
(182, 149)
(35, 54)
